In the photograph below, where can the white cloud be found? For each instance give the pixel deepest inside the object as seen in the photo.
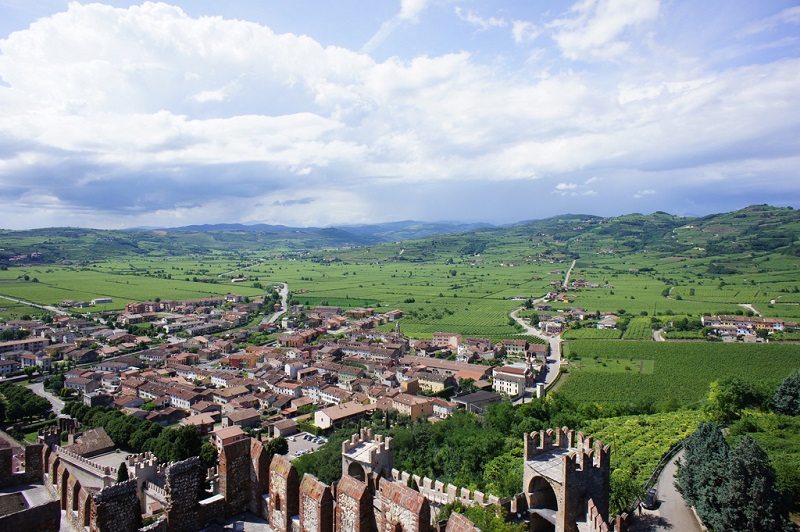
(140, 105)
(410, 10)
(218, 95)
(643, 193)
(790, 15)
(475, 20)
(524, 31)
(596, 28)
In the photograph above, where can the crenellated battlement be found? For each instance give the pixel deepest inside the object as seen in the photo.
(155, 488)
(364, 454)
(565, 482)
(543, 441)
(84, 463)
(366, 436)
(589, 453)
(440, 494)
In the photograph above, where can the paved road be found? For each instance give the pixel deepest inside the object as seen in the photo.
(671, 514)
(45, 307)
(38, 389)
(284, 292)
(569, 272)
(554, 360)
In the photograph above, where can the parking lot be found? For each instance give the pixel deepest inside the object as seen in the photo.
(302, 443)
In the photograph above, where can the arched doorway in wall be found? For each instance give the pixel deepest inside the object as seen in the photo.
(542, 504)
(541, 494)
(356, 471)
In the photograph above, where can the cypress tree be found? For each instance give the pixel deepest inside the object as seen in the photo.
(787, 396)
(122, 473)
(750, 496)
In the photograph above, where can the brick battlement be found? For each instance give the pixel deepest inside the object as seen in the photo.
(595, 520)
(589, 453)
(537, 443)
(84, 463)
(440, 494)
(366, 436)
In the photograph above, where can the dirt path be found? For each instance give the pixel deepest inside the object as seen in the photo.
(750, 307)
(569, 272)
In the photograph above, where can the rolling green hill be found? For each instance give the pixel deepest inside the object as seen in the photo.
(755, 229)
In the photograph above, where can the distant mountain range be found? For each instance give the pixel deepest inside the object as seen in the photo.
(380, 232)
(758, 228)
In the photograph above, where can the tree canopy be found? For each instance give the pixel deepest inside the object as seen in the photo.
(787, 396)
(731, 490)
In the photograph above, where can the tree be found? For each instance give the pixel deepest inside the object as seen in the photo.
(208, 455)
(122, 473)
(702, 472)
(787, 396)
(277, 445)
(728, 397)
(751, 498)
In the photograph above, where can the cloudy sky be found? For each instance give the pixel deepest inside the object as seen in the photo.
(302, 112)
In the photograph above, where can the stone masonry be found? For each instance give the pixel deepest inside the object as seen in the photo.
(354, 506)
(316, 506)
(284, 493)
(184, 483)
(116, 509)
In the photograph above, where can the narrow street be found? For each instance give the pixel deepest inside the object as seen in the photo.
(554, 360)
(671, 512)
(284, 291)
(38, 389)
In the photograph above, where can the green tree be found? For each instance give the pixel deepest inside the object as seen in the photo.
(277, 445)
(208, 455)
(122, 473)
(728, 397)
(702, 472)
(787, 396)
(750, 496)
(503, 474)
(185, 442)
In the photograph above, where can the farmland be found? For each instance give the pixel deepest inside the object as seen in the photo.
(680, 374)
(461, 282)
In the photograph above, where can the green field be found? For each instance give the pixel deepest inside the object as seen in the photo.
(639, 442)
(638, 329)
(588, 333)
(462, 282)
(681, 372)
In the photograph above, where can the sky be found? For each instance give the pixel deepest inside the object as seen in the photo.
(338, 112)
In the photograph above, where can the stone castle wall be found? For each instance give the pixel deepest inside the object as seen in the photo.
(184, 484)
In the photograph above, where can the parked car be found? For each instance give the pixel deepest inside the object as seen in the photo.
(650, 500)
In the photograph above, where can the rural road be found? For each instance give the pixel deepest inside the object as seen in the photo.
(569, 272)
(284, 291)
(671, 514)
(750, 307)
(555, 346)
(38, 389)
(45, 307)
